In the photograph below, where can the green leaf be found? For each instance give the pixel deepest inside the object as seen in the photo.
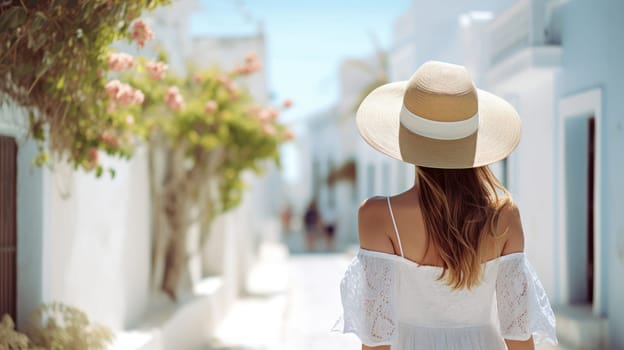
(60, 83)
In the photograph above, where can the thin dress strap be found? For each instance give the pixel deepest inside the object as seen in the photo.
(396, 230)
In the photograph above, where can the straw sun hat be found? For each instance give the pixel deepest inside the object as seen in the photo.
(439, 119)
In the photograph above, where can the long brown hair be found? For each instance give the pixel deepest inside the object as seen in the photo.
(460, 209)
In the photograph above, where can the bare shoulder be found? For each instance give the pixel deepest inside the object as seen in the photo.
(372, 208)
(510, 226)
(373, 218)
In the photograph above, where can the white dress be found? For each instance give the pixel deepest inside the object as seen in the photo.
(390, 300)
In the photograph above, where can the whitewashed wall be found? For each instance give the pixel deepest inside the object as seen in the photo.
(81, 241)
(531, 172)
(97, 241)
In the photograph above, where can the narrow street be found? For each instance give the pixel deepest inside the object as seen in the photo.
(294, 301)
(314, 304)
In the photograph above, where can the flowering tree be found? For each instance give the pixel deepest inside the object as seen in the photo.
(54, 62)
(203, 133)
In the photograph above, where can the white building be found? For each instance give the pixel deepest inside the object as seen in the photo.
(557, 62)
(560, 69)
(87, 242)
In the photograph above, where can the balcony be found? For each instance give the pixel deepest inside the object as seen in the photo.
(525, 40)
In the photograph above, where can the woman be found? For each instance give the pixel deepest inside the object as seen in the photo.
(441, 266)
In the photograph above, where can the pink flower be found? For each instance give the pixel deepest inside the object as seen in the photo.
(243, 70)
(92, 158)
(173, 90)
(123, 93)
(112, 87)
(254, 109)
(274, 113)
(268, 129)
(197, 78)
(157, 70)
(250, 66)
(254, 67)
(224, 79)
(287, 103)
(211, 106)
(174, 99)
(109, 139)
(138, 97)
(141, 33)
(289, 135)
(128, 95)
(232, 89)
(129, 119)
(264, 115)
(120, 61)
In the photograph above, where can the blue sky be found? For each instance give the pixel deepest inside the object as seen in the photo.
(306, 40)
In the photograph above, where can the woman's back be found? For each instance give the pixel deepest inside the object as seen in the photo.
(390, 298)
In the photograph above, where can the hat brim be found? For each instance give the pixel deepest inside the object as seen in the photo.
(378, 121)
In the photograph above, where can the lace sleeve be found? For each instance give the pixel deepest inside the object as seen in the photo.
(368, 299)
(523, 307)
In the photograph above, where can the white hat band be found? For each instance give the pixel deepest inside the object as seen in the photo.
(439, 130)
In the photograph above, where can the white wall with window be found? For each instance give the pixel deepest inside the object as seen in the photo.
(562, 79)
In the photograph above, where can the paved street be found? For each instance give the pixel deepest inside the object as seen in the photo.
(299, 317)
(315, 303)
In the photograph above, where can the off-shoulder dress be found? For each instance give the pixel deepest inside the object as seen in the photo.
(390, 300)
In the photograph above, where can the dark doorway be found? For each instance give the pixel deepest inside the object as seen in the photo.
(8, 227)
(579, 178)
(591, 136)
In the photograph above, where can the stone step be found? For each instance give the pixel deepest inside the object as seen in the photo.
(579, 328)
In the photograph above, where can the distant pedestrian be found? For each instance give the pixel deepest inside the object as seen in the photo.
(329, 224)
(286, 218)
(311, 220)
